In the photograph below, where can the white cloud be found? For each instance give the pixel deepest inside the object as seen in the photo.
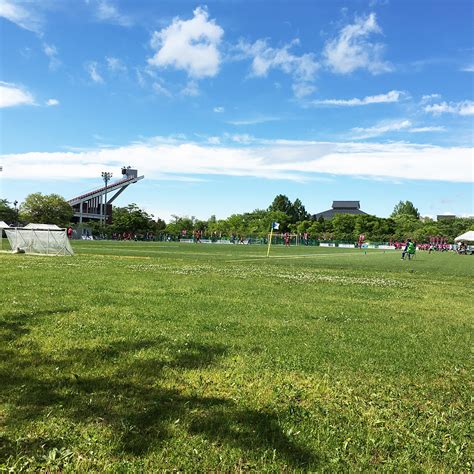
(94, 73)
(254, 120)
(51, 51)
(265, 58)
(52, 102)
(465, 107)
(191, 89)
(392, 96)
(12, 95)
(106, 11)
(161, 89)
(20, 14)
(381, 128)
(214, 140)
(392, 126)
(298, 160)
(115, 65)
(242, 138)
(469, 68)
(302, 89)
(427, 129)
(190, 45)
(353, 50)
(218, 110)
(430, 97)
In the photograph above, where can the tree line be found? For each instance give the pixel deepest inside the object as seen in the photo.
(404, 222)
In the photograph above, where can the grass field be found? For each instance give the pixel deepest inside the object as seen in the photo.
(152, 356)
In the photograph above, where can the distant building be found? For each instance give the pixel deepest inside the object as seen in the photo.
(445, 217)
(340, 207)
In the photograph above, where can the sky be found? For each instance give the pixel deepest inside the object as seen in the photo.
(223, 105)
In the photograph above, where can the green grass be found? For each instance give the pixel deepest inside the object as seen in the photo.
(152, 356)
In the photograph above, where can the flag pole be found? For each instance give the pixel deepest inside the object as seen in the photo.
(270, 241)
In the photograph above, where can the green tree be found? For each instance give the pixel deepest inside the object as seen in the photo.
(298, 211)
(46, 209)
(7, 213)
(343, 226)
(180, 223)
(160, 225)
(283, 204)
(131, 219)
(405, 208)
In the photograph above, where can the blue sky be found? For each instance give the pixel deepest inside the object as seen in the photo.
(224, 104)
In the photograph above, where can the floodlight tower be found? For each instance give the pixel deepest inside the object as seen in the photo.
(106, 175)
(15, 203)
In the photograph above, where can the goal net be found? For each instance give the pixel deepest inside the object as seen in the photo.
(283, 239)
(39, 241)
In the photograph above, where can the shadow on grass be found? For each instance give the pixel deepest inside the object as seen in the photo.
(135, 390)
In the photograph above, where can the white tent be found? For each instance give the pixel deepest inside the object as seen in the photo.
(31, 225)
(466, 237)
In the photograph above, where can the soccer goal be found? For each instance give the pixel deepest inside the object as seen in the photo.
(280, 239)
(39, 241)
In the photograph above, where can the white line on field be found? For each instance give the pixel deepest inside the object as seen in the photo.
(264, 257)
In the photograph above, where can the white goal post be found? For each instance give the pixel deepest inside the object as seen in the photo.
(39, 241)
(294, 239)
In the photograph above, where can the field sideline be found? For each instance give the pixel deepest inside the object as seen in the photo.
(135, 356)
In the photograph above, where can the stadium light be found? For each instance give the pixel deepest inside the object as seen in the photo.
(106, 175)
(15, 203)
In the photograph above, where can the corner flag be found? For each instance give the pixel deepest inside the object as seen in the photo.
(275, 226)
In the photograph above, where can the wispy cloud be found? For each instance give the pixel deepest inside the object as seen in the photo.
(254, 120)
(106, 11)
(92, 69)
(469, 68)
(381, 129)
(23, 14)
(52, 102)
(52, 53)
(465, 107)
(430, 97)
(191, 89)
(391, 126)
(352, 49)
(218, 110)
(115, 65)
(436, 128)
(289, 160)
(160, 89)
(302, 68)
(392, 96)
(189, 45)
(12, 95)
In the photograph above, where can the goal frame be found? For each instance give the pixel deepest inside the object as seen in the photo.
(51, 242)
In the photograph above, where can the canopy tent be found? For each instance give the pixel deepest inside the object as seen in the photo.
(31, 225)
(466, 237)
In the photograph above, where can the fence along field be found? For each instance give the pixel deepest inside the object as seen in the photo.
(144, 356)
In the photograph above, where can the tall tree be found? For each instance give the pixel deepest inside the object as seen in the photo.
(298, 211)
(7, 213)
(46, 209)
(283, 204)
(405, 208)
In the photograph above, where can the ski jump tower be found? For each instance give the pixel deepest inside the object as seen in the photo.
(96, 205)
